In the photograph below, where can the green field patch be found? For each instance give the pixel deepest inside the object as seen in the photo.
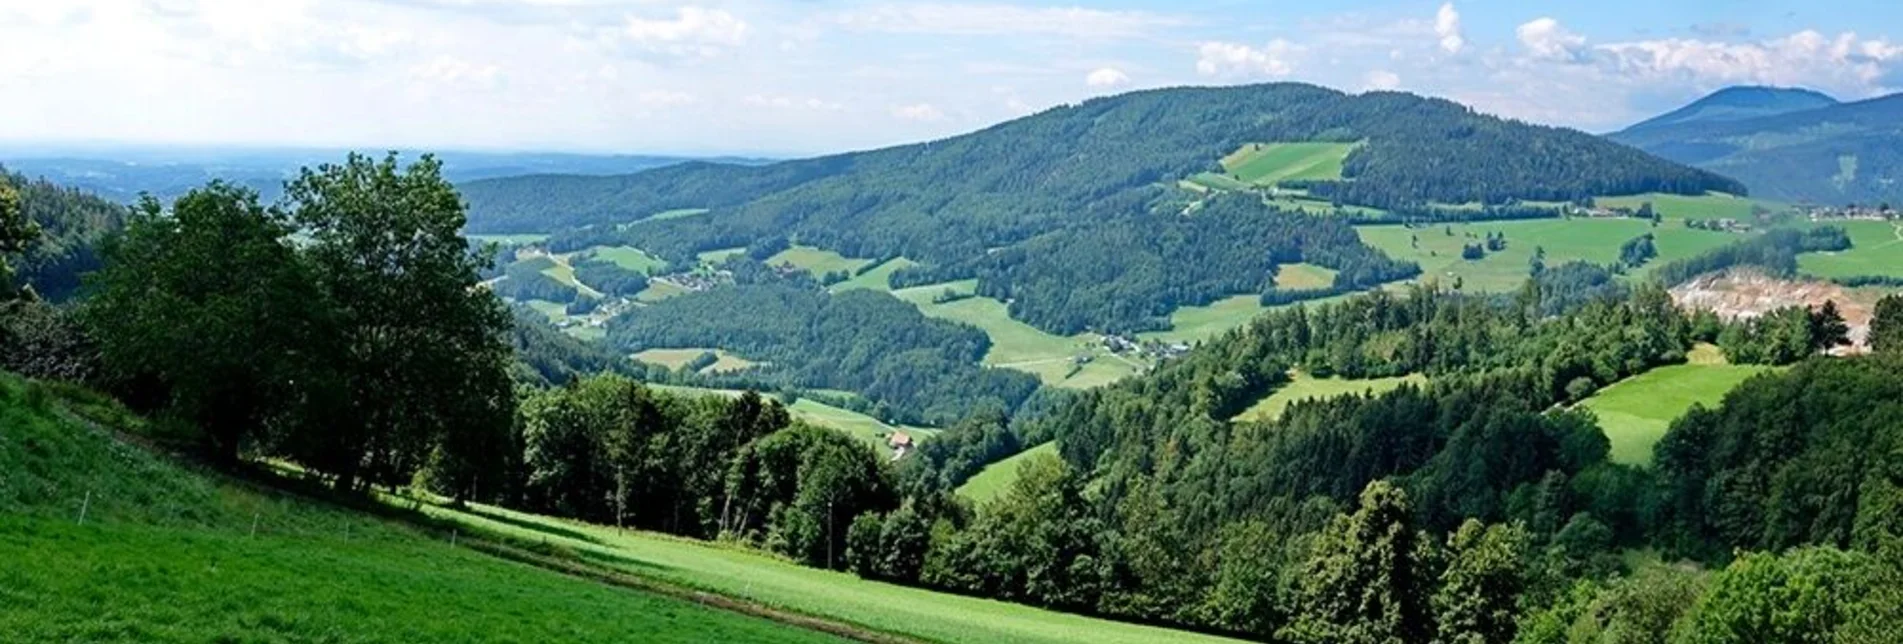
(1595, 240)
(1876, 248)
(587, 332)
(991, 482)
(1078, 362)
(816, 261)
(556, 312)
(630, 258)
(1213, 181)
(519, 239)
(1272, 163)
(718, 255)
(658, 290)
(1304, 276)
(1711, 205)
(870, 430)
(879, 278)
(1302, 386)
(724, 362)
(1636, 412)
(1312, 206)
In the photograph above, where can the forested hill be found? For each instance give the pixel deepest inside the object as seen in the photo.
(1735, 104)
(1834, 153)
(944, 199)
(72, 222)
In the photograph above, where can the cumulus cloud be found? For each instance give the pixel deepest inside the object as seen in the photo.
(924, 112)
(1381, 79)
(1003, 19)
(1447, 27)
(793, 103)
(693, 31)
(1275, 60)
(1107, 77)
(666, 98)
(1545, 38)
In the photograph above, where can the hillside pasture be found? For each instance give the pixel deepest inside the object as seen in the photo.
(629, 257)
(1636, 412)
(1077, 362)
(816, 260)
(1302, 386)
(725, 362)
(867, 429)
(1266, 164)
(1303, 276)
(718, 255)
(520, 239)
(878, 279)
(1437, 247)
(658, 290)
(1711, 205)
(992, 481)
(1876, 248)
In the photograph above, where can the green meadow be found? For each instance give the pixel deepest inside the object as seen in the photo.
(657, 291)
(724, 362)
(1302, 276)
(991, 482)
(865, 428)
(1302, 386)
(1636, 412)
(107, 542)
(1876, 248)
(1711, 205)
(630, 258)
(1271, 163)
(878, 279)
(1437, 247)
(1016, 345)
(718, 255)
(509, 240)
(816, 261)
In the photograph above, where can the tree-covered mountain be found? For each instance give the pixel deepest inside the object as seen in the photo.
(71, 223)
(1829, 152)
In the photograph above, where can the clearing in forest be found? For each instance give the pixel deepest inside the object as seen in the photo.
(1077, 362)
(1266, 164)
(1711, 205)
(878, 279)
(816, 261)
(1635, 412)
(1304, 276)
(991, 482)
(1437, 247)
(630, 258)
(1876, 249)
(724, 362)
(1302, 386)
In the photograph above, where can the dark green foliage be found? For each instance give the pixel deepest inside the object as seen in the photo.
(1886, 326)
(1806, 595)
(1368, 578)
(954, 455)
(1570, 286)
(1638, 250)
(39, 340)
(800, 490)
(525, 280)
(1785, 335)
(69, 224)
(16, 232)
(1479, 595)
(1774, 252)
(1809, 456)
(610, 278)
(860, 340)
(1639, 609)
(1036, 544)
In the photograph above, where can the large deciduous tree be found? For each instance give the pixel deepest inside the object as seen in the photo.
(1366, 581)
(1886, 328)
(416, 346)
(211, 303)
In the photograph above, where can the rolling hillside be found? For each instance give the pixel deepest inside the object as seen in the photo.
(1786, 145)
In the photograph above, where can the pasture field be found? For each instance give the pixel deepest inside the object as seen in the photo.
(657, 291)
(1876, 248)
(1020, 346)
(1564, 240)
(1636, 412)
(1267, 164)
(166, 554)
(1298, 276)
(865, 428)
(991, 482)
(1213, 181)
(1291, 201)
(878, 279)
(816, 261)
(770, 581)
(1711, 205)
(1302, 386)
(520, 239)
(676, 358)
(719, 255)
(630, 258)
(587, 332)
(555, 311)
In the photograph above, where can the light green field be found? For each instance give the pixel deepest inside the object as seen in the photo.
(991, 482)
(168, 554)
(677, 358)
(554, 311)
(1300, 276)
(878, 279)
(1307, 205)
(1592, 240)
(1711, 205)
(1020, 346)
(1271, 163)
(564, 272)
(630, 258)
(657, 291)
(816, 261)
(719, 255)
(1302, 386)
(1636, 412)
(587, 332)
(1876, 248)
(509, 240)
(910, 612)
(1195, 323)
(1213, 181)
(855, 424)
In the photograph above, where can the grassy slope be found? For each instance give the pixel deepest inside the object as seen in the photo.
(1299, 276)
(878, 279)
(719, 255)
(630, 258)
(167, 555)
(674, 358)
(1271, 163)
(1712, 205)
(860, 426)
(1302, 386)
(1635, 412)
(995, 478)
(816, 261)
(1592, 240)
(1016, 345)
(657, 291)
(1876, 248)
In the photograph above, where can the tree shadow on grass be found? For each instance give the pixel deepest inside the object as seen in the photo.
(544, 528)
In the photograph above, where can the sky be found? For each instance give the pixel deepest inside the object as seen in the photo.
(797, 77)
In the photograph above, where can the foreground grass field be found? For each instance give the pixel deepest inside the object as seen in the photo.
(995, 478)
(905, 611)
(1591, 240)
(1636, 412)
(165, 554)
(1876, 248)
(1302, 386)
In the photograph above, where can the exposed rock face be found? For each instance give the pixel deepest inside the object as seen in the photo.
(1743, 294)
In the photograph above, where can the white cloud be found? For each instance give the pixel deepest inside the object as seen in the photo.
(923, 112)
(449, 70)
(1546, 38)
(693, 31)
(980, 19)
(1381, 79)
(1447, 27)
(1844, 63)
(1107, 77)
(666, 98)
(793, 103)
(1275, 60)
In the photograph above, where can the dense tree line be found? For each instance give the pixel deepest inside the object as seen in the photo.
(1127, 275)
(1775, 252)
(610, 278)
(918, 369)
(525, 280)
(68, 226)
(1637, 251)
(1784, 335)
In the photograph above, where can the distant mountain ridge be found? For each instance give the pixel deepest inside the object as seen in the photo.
(1737, 104)
(1828, 153)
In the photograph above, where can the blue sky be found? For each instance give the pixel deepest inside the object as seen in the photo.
(809, 76)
